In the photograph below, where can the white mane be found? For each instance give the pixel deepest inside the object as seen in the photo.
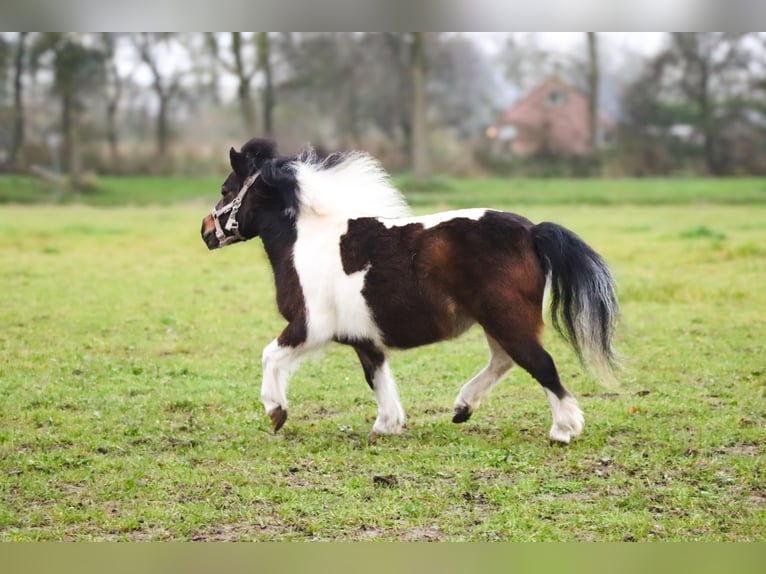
(357, 186)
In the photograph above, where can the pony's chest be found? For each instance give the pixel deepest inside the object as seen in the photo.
(335, 305)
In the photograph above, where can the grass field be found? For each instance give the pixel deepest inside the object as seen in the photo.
(130, 367)
(438, 192)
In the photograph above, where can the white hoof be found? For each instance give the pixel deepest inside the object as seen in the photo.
(568, 419)
(389, 424)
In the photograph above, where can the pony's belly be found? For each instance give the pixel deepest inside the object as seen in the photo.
(427, 324)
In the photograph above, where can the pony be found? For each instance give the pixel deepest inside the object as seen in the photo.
(352, 266)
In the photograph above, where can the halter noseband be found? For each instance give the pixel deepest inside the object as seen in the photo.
(231, 223)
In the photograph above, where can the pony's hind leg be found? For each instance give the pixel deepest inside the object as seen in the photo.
(390, 418)
(518, 337)
(568, 420)
(477, 388)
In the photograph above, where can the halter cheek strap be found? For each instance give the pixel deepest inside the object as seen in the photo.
(231, 224)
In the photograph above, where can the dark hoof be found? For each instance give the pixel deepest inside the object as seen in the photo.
(462, 414)
(278, 417)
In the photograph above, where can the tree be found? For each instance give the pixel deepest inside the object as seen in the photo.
(115, 87)
(704, 58)
(465, 89)
(593, 86)
(264, 65)
(421, 168)
(18, 99)
(166, 84)
(243, 66)
(78, 70)
(699, 79)
(525, 62)
(329, 84)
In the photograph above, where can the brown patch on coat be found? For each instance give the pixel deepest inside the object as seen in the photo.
(427, 285)
(408, 305)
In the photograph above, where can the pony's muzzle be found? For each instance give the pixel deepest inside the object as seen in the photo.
(208, 233)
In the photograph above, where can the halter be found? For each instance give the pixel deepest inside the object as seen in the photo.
(231, 223)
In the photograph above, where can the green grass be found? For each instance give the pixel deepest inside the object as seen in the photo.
(112, 191)
(129, 382)
(467, 192)
(438, 191)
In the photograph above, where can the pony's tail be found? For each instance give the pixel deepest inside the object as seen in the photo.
(584, 305)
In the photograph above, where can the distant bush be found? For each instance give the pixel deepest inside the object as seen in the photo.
(539, 166)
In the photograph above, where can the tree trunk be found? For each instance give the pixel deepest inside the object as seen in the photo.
(165, 91)
(421, 168)
(708, 137)
(708, 133)
(114, 95)
(69, 124)
(162, 131)
(593, 83)
(264, 63)
(111, 136)
(75, 158)
(18, 102)
(244, 96)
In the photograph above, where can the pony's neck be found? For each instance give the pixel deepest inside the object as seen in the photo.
(278, 236)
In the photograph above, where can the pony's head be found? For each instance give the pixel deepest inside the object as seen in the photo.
(260, 186)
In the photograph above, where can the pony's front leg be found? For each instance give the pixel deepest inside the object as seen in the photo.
(279, 362)
(390, 412)
(390, 418)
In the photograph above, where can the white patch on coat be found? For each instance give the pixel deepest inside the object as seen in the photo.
(335, 306)
(329, 197)
(568, 419)
(435, 219)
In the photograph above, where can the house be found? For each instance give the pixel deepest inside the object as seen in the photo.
(551, 120)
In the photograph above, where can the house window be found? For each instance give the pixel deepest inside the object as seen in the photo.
(507, 133)
(556, 98)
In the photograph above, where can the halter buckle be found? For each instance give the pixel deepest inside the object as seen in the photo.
(231, 223)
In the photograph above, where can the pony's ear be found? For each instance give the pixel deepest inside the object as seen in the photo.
(258, 150)
(239, 163)
(252, 156)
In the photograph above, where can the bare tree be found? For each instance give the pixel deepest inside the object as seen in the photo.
(421, 168)
(345, 78)
(18, 100)
(242, 65)
(593, 86)
(264, 65)
(165, 84)
(525, 62)
(699, 81)
(704, 61)
(78, 69)
(115, 86)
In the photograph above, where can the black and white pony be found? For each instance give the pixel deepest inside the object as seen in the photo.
(352, 266)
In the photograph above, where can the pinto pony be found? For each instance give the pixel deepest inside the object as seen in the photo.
(352, 266)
